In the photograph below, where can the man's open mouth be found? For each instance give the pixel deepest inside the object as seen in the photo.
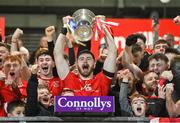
(45, 69)
(85, 67)
(12, 73)
(139, 109)
(45, 99)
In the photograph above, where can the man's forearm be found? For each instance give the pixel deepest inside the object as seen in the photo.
(110, 62)
(61, 64)
(170, 105)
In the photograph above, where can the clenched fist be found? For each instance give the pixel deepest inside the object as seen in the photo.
(18, 32)
(49, 31)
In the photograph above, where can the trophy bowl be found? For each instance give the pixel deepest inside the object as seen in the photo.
(84, 19)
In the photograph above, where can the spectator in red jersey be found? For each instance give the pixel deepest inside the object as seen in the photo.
(85, 84)
(13, 87)
(17, 44)
(45, 64)
(20, 51)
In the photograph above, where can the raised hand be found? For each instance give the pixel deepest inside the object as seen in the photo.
(102, 54)
(177, 20)
(124, 75)
(66, 20)
(50, 31)
(161, 91)
(18, 32)
(34, 69)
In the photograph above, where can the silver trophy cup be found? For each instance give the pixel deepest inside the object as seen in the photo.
(84, 19)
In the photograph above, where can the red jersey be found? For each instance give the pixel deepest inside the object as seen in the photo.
(22, 89)
(8, 94)
(97, 86)
(55, 85)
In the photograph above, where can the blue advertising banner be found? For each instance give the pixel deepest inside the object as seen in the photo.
(84, 104)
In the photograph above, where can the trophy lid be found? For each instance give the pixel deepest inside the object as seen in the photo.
(83, 14)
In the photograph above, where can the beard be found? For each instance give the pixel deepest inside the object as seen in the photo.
(150, 88)
(85, 72)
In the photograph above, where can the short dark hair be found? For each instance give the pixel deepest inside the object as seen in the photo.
(158, 56)
(13, 104)
(42, 51)
(148, 72)
(85, 52)
(141, 36)
(161, 41)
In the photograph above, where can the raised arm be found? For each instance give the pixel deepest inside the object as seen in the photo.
(127, 58)
(110, 62)
(172, 107)
(61, 63)
(31, 108)
(25, 72)
(49, 31)
(15, 37)
(123, 94)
